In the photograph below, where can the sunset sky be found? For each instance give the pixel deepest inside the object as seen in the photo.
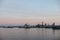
(29, 11)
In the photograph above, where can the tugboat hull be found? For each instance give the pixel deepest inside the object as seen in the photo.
(56, 27)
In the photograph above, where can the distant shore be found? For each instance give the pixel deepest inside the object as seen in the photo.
(53, 26)
(28, 27)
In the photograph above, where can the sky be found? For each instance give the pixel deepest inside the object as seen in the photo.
(29, 11)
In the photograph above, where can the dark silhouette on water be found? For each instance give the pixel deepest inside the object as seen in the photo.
(53, 26)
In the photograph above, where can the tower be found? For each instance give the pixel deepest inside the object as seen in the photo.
(42, 23)
(53, 24)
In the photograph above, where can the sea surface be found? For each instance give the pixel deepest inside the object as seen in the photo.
(29, 34)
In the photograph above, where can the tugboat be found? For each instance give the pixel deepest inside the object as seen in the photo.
(56, 27)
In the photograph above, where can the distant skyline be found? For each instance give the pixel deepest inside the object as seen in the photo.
(29, 11)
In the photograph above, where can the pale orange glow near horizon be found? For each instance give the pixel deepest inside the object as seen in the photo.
(36, 20)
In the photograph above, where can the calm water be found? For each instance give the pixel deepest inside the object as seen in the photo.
(29, 34)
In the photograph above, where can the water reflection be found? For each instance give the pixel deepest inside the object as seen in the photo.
(29, 34)
(0, 35)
